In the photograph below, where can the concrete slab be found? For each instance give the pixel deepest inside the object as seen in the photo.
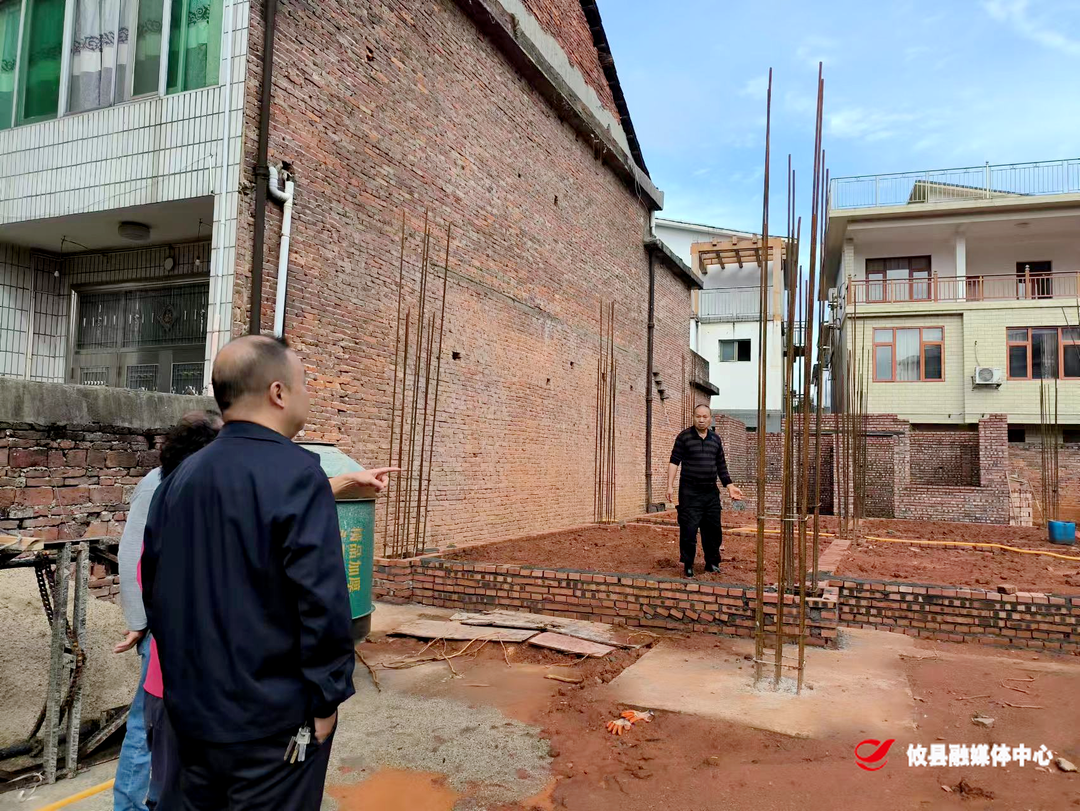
(858, 689)
(570, 644)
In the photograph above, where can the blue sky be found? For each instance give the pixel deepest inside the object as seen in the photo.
(909, 85)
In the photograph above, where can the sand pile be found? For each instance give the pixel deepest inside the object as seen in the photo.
(109, 679)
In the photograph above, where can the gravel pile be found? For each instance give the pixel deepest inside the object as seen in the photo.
(110, 680)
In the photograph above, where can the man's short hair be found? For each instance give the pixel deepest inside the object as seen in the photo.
(194, 432)
(702, 406)
(263, 360)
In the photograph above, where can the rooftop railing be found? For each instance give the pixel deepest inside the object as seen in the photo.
(1002, 287)
(984, 182)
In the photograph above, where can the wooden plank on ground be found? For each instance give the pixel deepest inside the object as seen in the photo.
(582, 629)
(457, 632)
(570, 644)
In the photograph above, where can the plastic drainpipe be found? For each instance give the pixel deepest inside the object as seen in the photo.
(286, 199)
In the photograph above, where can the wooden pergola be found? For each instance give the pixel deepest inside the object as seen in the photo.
(742, 251)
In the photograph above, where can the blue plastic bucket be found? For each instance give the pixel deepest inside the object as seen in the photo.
(1062, 532)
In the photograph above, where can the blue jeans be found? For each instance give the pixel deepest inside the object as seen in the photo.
(133, 771)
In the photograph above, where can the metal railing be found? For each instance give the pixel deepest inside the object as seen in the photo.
(1002, 287)
(966, 183)
(730, 304)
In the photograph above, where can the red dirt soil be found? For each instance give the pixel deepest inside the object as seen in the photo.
(654, 550)
(629, 549)
(958, 566)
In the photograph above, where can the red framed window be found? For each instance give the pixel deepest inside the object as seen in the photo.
(899, 278)
(1035, 353)
(909, 354)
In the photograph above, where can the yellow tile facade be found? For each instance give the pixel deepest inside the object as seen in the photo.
(974, 334)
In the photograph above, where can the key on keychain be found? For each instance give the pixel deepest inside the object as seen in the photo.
(303, 738)
(290, 749)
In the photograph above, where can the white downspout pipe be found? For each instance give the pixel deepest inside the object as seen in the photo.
(286, 199)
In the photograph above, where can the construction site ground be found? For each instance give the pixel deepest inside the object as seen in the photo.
(494, 733)
(653, 548)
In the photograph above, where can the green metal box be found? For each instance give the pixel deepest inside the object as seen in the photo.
(356, 519)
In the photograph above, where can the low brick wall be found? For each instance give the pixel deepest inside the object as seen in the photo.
(632, 600)
(1028, 620)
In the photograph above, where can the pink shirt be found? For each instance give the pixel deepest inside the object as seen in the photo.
(153, 684)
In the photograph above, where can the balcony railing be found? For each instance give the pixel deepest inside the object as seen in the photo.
(1003, 287)
(967, 183)
(731, 304)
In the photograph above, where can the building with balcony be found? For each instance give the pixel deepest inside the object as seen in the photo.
(724, 327)
(957, 292)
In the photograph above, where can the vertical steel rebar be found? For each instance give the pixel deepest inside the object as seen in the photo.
(438, 379)
(763, 264)
(393, 405)
(397, 548)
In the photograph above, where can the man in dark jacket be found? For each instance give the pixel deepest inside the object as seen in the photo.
(245, 593)
(700, 453)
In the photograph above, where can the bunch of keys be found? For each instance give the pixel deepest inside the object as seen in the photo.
(298, 743)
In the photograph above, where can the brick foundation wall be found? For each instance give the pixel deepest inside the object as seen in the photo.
(633, 600)
(1028, 620)
(1021, 503)
(385, 107)
(1024, 462)
(71, 482)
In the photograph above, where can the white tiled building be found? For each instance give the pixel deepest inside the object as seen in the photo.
(725, 326)
(98, 130)
(959, 291)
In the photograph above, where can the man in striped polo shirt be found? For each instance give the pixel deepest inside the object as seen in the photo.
(700, 452)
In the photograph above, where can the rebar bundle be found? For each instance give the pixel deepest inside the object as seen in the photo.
(1049, 448)
(789, 624)
(607, 372)
(414, 409)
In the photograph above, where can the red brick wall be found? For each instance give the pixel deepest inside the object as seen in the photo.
(945, 458)
(388, 106)
(71, 482)
(1040, 621)
(650, 602)
(1025, 462)
(564, 20)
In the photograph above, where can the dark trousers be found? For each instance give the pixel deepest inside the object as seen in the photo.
(248, 776)
(164, 759)
(699, 508)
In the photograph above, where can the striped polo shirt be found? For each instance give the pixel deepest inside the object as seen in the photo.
(701, 457)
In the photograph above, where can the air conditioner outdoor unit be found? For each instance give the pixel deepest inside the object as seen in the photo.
(988, 376)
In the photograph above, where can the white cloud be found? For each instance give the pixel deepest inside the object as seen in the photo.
(861, 124)
(816, 49)
(1018, 15)
(756, 87)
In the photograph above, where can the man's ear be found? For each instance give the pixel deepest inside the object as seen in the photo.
(277, 394)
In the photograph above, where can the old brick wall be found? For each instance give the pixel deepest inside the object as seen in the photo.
(565, 21)
(385, 107)
(1025, 462)
(70, 482)
(945, 458)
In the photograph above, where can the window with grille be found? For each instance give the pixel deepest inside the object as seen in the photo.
(146, 338)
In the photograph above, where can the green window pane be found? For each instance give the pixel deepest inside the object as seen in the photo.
(932, 367)
(194, 44)
(10, 11)
(147, 48)
(43, 44)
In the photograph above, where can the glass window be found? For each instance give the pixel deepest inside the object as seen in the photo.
(1018, 361)
(929, 335)
(10, 15)
(1017, 335)
(115, 51)
(727, 351)
(42, 50)
(1070, 360)
(194, 44)
(735, 350)
(882, 336)
(744, 351)
(932, 368)
(907, 355)
(1070, 334)
(1044, 361)
(883, 362)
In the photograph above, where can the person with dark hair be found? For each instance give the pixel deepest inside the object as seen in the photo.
(135, 789)
(245, 593)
